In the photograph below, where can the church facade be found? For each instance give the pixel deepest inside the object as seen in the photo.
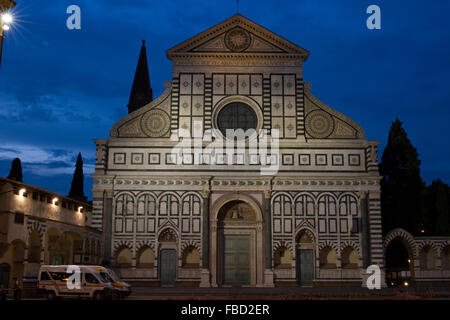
(297, 204)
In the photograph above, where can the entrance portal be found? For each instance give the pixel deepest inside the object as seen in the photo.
(239, 232)
(168, 257)
(305, 270)
(305, 258)
(168, 267)
(237, 260)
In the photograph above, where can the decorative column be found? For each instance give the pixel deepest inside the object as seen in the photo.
(268, 273)
(107, 226)
(376, 240)
(365, 238)
(26, 264)
(375, 235)
(205, 273)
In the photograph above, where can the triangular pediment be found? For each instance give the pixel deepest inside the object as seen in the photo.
(237, 35)
(255, 45)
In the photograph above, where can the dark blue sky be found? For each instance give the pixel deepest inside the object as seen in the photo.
(59, 89)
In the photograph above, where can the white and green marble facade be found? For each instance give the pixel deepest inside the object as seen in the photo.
(327, 184)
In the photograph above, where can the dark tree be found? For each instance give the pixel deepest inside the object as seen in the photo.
(77, 188)
(16, 170)
(437, 203)
(402, 188)
(141, 92)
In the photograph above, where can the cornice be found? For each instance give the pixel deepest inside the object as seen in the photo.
(223, 183)
(360, 131)
(237, 20)
(114, 132)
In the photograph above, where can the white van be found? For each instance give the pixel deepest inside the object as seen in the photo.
(94, 283)
(122, 287)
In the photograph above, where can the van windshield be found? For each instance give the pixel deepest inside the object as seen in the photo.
(105, 277)
(113, 275)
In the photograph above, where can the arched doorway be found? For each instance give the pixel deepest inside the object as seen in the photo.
(123, 257)
(53, 253)
(34, 247)
(427, 258)
(168, 257)
(12, 264)
(18, 259)
(145, 258)
(305, 258)
(237, 244)
(399, 263)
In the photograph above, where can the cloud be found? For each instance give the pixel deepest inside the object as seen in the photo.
(53, 169)
(44, 108)
(45, 162)
(78, 117)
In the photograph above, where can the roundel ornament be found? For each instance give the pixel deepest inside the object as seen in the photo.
(319, 124)
(237, 39)
(155, 123)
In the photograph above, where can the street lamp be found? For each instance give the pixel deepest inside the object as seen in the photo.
(5, 19)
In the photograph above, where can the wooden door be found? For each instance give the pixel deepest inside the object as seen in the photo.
(237, 260)
(305, 267)
(168, 268)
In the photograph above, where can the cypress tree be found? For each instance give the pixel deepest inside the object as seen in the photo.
(16, 170)
(77, 188)
(402, 188)
(437, 202)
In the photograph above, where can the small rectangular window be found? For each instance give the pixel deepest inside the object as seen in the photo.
(19, 218)
(355, 225)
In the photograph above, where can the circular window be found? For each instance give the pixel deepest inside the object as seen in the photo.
(236, 115)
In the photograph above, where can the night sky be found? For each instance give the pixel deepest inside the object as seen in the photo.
(61, 88)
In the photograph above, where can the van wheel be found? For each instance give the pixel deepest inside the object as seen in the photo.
(115, 296)
(98, 295)
(50, 295)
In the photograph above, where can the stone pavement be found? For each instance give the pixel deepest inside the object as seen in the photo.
(264, 293)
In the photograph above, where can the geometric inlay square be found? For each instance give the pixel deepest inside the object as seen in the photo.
(304, 159)
(321, 159)
(137, 158)
(119, 158)
(288, 159)
(337, 159)
(354, 160)
(154, 158)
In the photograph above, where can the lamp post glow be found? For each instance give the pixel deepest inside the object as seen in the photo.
(21, 192)
(54, 201)
(5, 20)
